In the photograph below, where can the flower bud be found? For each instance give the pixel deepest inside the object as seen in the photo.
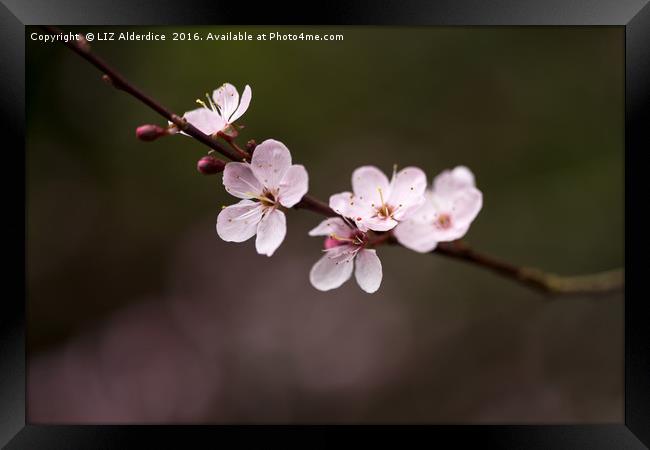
(209, 165)
(149, 132)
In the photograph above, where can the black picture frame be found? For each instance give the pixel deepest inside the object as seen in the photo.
(633, 15)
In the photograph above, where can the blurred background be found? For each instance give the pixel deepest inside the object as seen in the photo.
(138, 312)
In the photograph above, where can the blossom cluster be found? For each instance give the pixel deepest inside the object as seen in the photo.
(376, 210)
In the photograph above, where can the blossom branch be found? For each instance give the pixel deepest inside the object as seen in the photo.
(601, 282)
(534, 278)
(115, 79)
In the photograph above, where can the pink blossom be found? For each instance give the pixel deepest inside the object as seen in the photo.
(345, 248)
(450, 207)
(273, 181)
(377, 204)
(221, 110)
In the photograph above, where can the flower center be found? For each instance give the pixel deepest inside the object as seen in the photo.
(212, 107)
(268, 198)
(384, 211)
(443, 221)
(358, 238)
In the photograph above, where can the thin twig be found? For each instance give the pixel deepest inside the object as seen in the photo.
(531, 277)
(116, 79)
(601, 282)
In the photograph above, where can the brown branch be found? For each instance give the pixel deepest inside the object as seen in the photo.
(112, 76)
(531, 277)
(550, 283)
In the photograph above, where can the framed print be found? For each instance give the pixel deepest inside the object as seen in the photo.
(413, 218)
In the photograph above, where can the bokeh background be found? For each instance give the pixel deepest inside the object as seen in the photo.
(137, 312)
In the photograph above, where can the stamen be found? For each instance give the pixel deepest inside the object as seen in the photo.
(210, 102)
(339, 238)
(381, 196)
(256, 196)
(384, 208)
(202, 103)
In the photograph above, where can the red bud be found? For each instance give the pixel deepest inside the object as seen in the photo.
(209, 165)
(149, 132)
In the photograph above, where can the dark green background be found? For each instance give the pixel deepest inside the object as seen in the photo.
(536, 113)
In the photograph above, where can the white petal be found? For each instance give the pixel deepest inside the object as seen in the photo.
(349, 205)
(227, 99)
(271, 160)
(419, 237)
(238, 179)
(206, 120)
(271, 232)
(333, 225)
(407, 191)
(452, 233)
(294, 185)
(450, 181)
(237, 223)
(466, 206)
(243, 104)
(367, 181)
(333, 269)
(340, 202)
(428, 211)
(368, 270)
(376, 223)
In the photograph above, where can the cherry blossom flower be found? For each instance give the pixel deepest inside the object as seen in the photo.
(377, 204)
(273, 181)
(448, 211)
(345, 250)
(221, 110)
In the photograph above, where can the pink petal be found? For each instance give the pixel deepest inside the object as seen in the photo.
(294, 185)
(237, 223)
(206, 120)
(466, 206)
(340, 202)
(366, 183)
(271, 160)
(368, 270)
(238, 179)
(334, 225)
(376, 224)
(407, 191)
(428, 211)
(271, 232)
(227, 99)
(348, 205)
(450, 181)
(450, 234)
(243, 104)
(419, 237)
(333, 269)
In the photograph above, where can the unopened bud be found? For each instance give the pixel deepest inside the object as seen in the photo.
(209, 165)
(150, 132)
